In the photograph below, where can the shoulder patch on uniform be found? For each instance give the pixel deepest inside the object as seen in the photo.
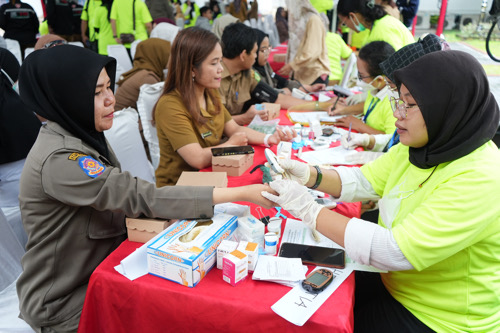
(91, 166)
(74, 156)
(256, 76)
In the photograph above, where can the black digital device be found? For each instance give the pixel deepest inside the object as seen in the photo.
(233, 150)
(316, 255)
(318, 280)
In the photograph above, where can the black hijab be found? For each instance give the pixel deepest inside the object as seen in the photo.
(453, 94)
(19, 126)
(59, 84)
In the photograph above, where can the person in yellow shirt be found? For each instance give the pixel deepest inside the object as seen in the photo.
(362, 15)
(376, 109)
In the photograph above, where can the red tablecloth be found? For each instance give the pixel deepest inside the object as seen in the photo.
(151, 304)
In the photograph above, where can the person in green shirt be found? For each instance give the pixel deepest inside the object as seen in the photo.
(102, 22)
(438, 233)
(362, 15)
(88, 21)
(376, 109)
(122, 22)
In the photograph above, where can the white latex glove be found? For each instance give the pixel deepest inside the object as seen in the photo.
(363, 157)
(296, 199)
(294, 170)
(356, 98)
(356, 140)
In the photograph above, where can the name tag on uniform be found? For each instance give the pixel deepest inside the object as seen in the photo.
(206, 134)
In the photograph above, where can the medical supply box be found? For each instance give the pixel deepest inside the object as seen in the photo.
(187, 250)
(225, 247)
(252, 251)
(143, 229)
(234, 165)
(234, 267)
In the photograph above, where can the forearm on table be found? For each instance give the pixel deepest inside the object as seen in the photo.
(351, 110)
(254, 137)
(241, 119)
(288, 101)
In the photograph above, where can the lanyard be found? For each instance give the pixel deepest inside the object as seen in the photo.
(370, 109)
(394, 140)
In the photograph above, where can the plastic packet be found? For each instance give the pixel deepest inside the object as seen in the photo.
(266, 127)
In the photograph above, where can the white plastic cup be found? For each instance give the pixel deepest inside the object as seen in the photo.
(274, 225)
(271, 243)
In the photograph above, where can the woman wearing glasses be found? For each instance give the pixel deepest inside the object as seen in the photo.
(438, 234)
(375, 110)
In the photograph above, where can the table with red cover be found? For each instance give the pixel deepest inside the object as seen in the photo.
(114, 303)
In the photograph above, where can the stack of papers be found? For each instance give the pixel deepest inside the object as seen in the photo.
(286, 271)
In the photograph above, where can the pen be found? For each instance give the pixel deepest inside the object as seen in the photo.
(335, 104)
(236, 95)
(349, 134)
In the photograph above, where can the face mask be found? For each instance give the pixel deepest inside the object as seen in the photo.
(393, 93)
(366, 87)
(357, 25)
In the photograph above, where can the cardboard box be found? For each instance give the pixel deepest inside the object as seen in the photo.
(194, 178)
(252, 251)
(225, 247)
(235, 267)
(143, 229)
(234, 165)
(187, 250)
(273, 110)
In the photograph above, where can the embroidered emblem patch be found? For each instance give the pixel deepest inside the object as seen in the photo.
(74, 156)
(90, 166)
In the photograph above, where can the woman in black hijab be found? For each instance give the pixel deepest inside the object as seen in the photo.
(73, 195)
(18, 131)
(438, 233)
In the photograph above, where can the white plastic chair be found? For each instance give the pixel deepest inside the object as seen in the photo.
(119, 52)
(14, 47)
(27, 51)
(126, 142)
(76, 43)
(148, 96)
(133, 47)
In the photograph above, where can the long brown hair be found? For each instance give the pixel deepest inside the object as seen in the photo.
(190, 48)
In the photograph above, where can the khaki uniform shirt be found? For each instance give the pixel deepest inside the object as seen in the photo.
(73, 204)
(177, 128)
(236, 89)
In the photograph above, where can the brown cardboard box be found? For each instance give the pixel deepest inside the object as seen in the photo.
(273, 110)
(143, 229)
(234, 165)
(194, 178)
(279, 57)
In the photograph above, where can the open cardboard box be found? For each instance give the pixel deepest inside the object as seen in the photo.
(143, 229)
(233, 165)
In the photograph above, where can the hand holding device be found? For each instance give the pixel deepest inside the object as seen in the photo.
(318, 280)
(296, 199)
(356, 140)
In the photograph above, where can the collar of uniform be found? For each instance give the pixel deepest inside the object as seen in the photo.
(382, 93)
(209, 112)
(226, 73)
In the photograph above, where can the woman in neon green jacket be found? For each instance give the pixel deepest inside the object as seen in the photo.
(438, 233)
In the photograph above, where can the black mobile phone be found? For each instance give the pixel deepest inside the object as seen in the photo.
(233, 150)
(316, 255)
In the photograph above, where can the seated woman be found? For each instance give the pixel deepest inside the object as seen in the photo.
(73, 195)
(267, 74)
(190, 118)
(376, 109)
(438, 234)
(151, 58)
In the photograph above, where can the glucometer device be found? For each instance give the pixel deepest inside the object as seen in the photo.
(273, 161)
(318, 280)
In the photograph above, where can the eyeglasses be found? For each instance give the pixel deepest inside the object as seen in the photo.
(392, 86)
(54, 43)
(400, 106)
(361, 77)
(265, 49)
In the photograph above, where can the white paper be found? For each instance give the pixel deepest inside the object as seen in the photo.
(306, 117)
(270, 268)
(335, 155)
(135, 264)
(298, 305)
(297, 232)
